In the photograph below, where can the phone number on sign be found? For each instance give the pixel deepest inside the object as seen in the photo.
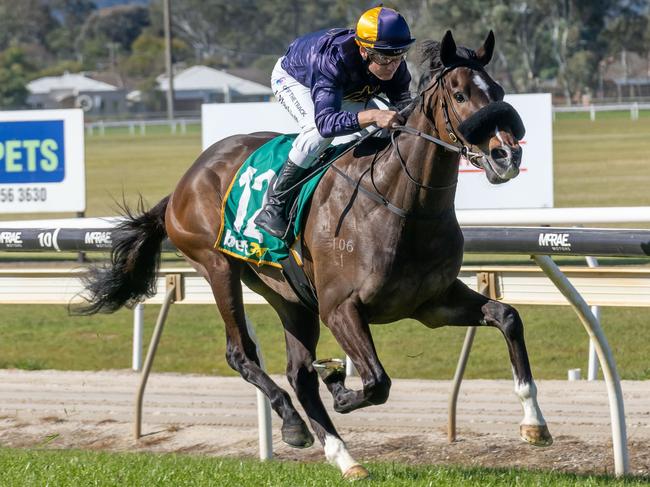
(21, 195)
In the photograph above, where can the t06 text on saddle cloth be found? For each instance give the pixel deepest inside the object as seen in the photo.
(239, 236)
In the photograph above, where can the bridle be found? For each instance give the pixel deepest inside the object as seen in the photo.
(457, 144)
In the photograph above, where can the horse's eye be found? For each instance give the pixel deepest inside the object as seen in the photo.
(459, 97)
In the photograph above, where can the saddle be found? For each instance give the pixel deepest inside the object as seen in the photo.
(241, 238)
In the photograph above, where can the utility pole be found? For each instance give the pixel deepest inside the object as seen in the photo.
(112, 47)
(168, 58)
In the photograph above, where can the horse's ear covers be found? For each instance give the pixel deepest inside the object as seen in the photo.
(481, 126)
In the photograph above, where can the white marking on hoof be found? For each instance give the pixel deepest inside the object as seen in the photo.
(337, 454)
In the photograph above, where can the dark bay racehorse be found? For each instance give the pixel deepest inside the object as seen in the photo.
(372, 259)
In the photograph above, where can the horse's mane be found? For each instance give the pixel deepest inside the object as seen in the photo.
(429, 59)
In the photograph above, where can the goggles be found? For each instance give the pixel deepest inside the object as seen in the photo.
(385, 59)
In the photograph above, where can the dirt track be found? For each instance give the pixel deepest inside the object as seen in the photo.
(217, 416)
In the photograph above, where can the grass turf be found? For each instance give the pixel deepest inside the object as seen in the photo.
(27, 468)
(45, 337)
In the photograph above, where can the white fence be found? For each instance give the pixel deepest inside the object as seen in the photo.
(139, 127)
(633, 108)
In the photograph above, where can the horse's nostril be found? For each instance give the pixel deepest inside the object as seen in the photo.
(499, 153)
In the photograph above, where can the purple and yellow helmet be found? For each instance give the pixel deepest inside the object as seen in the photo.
(384, 30)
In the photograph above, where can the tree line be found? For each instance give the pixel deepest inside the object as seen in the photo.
(566, 44)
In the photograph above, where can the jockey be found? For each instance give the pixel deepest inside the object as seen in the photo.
(326, 81)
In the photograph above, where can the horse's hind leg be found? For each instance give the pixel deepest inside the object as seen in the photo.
(462, 306)
(223, 274)
(301, 329)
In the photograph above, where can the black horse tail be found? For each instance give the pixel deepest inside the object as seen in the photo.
(135, 258)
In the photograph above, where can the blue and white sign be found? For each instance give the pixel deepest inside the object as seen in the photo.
(42, 161)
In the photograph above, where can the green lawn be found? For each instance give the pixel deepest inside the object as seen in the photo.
(601, 163)
(27, 468)
(45, 337)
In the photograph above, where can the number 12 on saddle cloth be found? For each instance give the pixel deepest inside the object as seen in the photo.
(238, 235)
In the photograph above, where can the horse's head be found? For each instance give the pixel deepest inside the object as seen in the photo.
(466, 106)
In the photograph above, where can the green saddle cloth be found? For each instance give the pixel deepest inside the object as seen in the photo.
(239, 236)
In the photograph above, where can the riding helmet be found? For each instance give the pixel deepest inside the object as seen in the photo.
(384, 30)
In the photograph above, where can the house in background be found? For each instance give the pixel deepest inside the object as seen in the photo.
(76, 91)
(202, 84)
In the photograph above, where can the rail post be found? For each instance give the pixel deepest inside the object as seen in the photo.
(263, 405)
(138, 337)
(592, 367)
(596, 334)
(174, 286)
(487, 284)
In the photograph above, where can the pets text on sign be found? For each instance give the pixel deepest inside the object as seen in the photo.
(42, 161)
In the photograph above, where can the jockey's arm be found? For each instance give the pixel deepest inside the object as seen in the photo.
(332, 121)
(327, 94)
(381, 118)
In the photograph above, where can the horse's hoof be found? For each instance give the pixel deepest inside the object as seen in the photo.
(536, 435)
(330, 370)
(356, 472)
(297, 435)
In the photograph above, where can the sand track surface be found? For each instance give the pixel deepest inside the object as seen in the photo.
(218, 416)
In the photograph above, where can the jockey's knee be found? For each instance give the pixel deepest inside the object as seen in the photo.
(307, 147)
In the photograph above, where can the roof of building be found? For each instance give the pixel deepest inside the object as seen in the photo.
(205, 78)
(76, 82)
(261, 76)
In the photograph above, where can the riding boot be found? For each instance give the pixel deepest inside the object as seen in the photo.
(274, 217)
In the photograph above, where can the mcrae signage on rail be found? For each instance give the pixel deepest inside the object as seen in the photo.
(533, 188)
(42, 161)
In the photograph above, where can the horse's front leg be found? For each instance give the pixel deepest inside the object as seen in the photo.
(353, 335)
(462, 306)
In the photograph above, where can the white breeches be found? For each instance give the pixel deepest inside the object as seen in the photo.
(296, 99)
